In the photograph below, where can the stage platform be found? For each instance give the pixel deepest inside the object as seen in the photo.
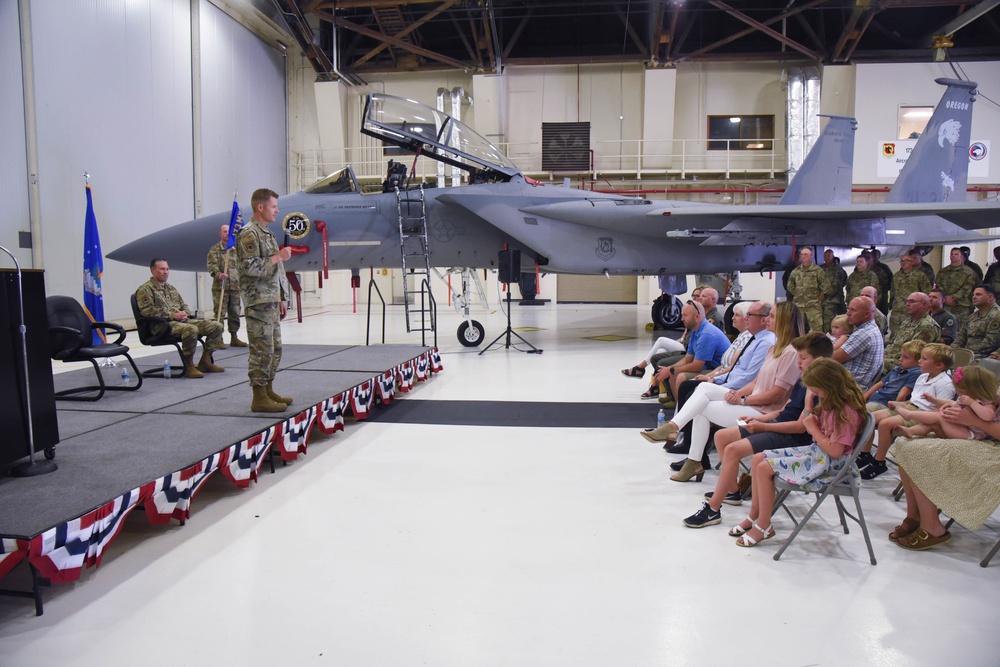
(153, 448)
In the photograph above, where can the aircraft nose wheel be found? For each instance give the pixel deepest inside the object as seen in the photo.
(471, 333)
(666, 312)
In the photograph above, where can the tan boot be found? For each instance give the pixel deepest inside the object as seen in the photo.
(189, 369)
(277, 398)
(207, 366)
(691, 469)
(222, 346)
(262, 403)
(235, 341)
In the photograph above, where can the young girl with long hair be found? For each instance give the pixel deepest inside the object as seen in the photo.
(977, 390)
(834, 428)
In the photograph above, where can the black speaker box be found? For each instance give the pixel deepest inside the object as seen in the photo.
(509, 266)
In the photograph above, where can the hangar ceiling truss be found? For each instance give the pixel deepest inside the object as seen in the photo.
(355, 38)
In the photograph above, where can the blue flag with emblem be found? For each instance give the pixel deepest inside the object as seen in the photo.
(235, 225)
(93, 268)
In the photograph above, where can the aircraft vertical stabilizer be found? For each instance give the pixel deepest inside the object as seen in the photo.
(938, 168)
(827, 174)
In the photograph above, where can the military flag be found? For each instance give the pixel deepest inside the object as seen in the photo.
(235, 225)
(93, 268)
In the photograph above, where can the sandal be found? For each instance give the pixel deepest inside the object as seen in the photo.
(652, 392)
(920, 539)
(904, 529)
(746, 541)
(634, 372)
(738, 529)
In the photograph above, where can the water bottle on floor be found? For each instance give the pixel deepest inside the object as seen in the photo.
(166, 369)
(125, 377)
(661, 418)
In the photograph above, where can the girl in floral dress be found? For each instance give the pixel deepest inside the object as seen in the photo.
(977, 390)
(834, 428)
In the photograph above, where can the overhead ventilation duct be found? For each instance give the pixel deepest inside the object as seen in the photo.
(802, 126)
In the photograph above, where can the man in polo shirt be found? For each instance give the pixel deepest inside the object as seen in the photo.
(706, 346)
(862, 352)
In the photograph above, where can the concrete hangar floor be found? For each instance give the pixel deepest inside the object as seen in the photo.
(399, 543)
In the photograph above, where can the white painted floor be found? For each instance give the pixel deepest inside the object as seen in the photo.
(418, 545)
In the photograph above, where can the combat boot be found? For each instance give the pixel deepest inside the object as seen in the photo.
(189, 368)
(207, 366)
(235, 341)
(261, 402)
(277, 398)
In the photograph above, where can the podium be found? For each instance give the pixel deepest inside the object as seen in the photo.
(14, 443)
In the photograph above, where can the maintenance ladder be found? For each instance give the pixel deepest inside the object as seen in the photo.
(415, 258)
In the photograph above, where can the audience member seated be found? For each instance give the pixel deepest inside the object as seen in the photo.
(917, 324)
(933, 383)
(740, 311)
(158, 298)
(880, 320)
(944, 318)
(862, 353)
(745, 369)
(897, 385)
(959, 477)
(662, 348)
(710, 300)
(976, 389)
(774, 430)
(839, 416)
(840, 330)
(981, 331)
(706, 346)
(711, 404)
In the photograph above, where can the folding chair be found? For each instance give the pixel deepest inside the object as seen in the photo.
(843, 484)
(993, 552)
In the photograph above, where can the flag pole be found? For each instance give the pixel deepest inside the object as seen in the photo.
(234, 217)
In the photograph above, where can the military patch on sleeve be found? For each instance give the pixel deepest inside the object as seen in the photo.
(248, 244)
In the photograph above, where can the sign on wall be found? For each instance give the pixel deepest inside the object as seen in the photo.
(892, 155)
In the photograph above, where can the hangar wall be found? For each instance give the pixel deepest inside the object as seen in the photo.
(113, 93)
(13, 171)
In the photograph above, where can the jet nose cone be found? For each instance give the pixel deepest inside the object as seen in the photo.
(184, 246)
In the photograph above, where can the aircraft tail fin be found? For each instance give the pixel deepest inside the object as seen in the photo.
(827, 173)
(938, 168)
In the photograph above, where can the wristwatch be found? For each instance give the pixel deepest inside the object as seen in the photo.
(743, 400)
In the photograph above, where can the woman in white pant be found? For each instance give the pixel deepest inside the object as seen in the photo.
(712, 404)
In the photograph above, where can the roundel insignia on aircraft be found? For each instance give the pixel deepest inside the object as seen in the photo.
(977, 151)
(888, 149)
(296, 225)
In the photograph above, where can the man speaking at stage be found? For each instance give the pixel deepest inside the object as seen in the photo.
(264, 287)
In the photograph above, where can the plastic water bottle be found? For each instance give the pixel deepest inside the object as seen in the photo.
(661, 418)
(166, 369)
(125, 377)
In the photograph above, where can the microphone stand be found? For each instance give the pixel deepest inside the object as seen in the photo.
(32, 467)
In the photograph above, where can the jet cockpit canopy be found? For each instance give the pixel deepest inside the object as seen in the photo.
(415, 127)
(339, 182)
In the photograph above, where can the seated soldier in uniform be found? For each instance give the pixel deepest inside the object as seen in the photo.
(158, 298)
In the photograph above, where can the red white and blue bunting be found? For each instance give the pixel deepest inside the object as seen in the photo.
(61, 552)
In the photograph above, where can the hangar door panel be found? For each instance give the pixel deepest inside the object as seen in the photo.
(13, 181)
(596, 289)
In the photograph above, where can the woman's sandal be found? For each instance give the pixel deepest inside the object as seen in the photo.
(920, 539)
(738, 529)
(634, 372)
(744, 540)
(652, 392)
(904, 529)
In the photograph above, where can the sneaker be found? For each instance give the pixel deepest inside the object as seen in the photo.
(734, 498)
(706, 516)
(864, 460)
(874, 469)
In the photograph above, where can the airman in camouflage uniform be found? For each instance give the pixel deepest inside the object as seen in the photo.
(884, 274)
(263, 287)
(809, 284)
(917, 324)
(981, 332)
(862, 276)
(945, 320)
(158, 298)
(225, 286)
(881, 322)
(958, 280)
(906, 281)
(834, 303)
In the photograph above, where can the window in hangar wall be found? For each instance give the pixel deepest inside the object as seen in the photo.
(740, 133)
(912, 121)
